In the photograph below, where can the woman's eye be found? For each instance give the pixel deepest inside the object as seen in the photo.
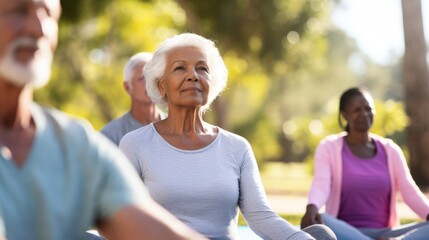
(203, 68)
(179, 68)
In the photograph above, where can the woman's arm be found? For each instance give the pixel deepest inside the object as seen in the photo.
(254, 205)
(321, 185)
(409, 190)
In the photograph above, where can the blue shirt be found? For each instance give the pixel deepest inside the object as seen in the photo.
(72, 177)
(117, 128)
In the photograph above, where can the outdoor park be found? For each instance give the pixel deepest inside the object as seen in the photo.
(288, 62)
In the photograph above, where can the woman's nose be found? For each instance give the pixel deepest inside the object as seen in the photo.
(193, 76)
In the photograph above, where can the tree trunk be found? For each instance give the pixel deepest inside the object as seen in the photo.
(416, 84)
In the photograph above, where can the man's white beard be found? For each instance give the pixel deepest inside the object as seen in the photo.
(35, 72)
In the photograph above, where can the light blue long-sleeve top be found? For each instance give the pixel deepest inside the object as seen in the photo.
(73, 176)
(205, 188)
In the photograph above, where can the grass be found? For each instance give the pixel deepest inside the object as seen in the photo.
(288, 178)
(296, 219)
(293, 219)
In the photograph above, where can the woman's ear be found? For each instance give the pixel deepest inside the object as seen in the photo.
(344, 116)
(161, 87)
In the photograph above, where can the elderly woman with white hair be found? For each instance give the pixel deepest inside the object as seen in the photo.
(199, 172)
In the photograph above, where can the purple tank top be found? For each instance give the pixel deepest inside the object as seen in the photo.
(365, 190)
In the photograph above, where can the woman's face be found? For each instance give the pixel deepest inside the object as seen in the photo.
(359, 113)
(186, 80)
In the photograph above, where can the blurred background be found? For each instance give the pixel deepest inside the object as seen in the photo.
(288, 61)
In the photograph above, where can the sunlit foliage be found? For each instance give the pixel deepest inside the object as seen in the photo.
(284, 57)
(305, 132)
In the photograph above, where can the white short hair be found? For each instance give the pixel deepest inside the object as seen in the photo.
(133, 62)
(154, 69)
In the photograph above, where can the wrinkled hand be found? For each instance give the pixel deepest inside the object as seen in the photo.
(311, 216)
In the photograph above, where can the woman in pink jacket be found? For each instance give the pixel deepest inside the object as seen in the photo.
(356, 177)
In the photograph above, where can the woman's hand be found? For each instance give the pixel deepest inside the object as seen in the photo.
(311, 216)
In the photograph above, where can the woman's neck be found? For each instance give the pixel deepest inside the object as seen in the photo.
(186, 130)
(358, 137)
(186, 122)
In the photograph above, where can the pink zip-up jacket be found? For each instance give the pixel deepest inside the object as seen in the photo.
(326, 186)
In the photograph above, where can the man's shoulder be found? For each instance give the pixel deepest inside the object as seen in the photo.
(62, 119)
(75, 134)
(71, 131)
(117, 128)
(115, 124)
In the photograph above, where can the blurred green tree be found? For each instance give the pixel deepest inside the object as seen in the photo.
(283, 56)
(87, 74)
